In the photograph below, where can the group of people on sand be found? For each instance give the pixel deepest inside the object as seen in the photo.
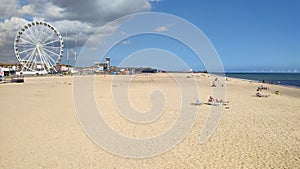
(214, 101)
(260, 88)
(216, 81)
(211, 100)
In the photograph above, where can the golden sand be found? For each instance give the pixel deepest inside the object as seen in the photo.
(39, 126)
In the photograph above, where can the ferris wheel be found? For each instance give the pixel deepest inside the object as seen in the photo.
(38, 46)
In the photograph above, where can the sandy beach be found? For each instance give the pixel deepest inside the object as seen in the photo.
(39, 126)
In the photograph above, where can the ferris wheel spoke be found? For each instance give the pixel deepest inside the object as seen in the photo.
(26, 50)
(53, 47)
(25, 45)
(48, 37)
(29, 38)
(29, 59)
(48, 63)
(37, 33)
(57, 40)
(38, 36)
(32, 59)
(32, 34)
(44, 36)
(26, 41)
(27, 56)
(49, 51)
(43, 60)
(49, 60)
(47, 57)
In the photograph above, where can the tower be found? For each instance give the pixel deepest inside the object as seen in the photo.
(107, 62)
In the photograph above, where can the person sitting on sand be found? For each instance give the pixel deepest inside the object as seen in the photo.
(261, 95)
(213, 85)
(222, 102)
(262, 88)
(211, 99)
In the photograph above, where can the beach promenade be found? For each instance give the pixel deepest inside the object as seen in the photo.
(39, 126)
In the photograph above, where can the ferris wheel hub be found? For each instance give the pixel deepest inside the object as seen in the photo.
(38, 45)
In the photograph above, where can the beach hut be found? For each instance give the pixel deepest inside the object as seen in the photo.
(5, 71)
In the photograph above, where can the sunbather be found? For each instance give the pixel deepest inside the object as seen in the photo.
(262, 88)
(261, 95)
(216, 102)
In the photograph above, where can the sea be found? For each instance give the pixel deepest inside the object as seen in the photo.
(284, 79)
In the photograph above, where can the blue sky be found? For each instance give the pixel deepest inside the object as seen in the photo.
(249, 35)
(259, 36)
(157, 51)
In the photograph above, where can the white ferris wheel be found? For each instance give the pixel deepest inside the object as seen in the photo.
(38, 46)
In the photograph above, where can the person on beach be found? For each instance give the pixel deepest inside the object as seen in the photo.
(211, 99)
(213, 85)
(261, 95)
(259, 88)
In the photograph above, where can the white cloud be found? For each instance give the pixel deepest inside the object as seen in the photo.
(126, 42)
(53, 12)
(8, 29)
(8, 8)
(82, 18)
(123, 33)
(26, 10)
(161, 29)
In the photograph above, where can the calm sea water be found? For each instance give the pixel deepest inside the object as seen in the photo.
(285, 79)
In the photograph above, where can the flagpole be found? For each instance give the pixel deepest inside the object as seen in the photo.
(75, 51)
(68, 59)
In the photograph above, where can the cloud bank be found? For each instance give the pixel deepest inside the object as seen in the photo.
(82, 18)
